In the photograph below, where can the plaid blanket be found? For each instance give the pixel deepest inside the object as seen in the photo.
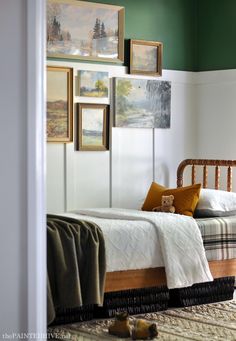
(219, 237)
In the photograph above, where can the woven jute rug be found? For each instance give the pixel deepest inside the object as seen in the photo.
(208, 322)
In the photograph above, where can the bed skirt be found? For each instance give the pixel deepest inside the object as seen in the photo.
(221, 289)
(139, 301)
(134, 301)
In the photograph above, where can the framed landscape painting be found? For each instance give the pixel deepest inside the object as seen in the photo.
(146, 57)
(92, 127)
(85, 30)
(142, 103)
(59, 104)
(93, 83)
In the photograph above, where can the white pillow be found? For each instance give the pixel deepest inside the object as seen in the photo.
(215, 203)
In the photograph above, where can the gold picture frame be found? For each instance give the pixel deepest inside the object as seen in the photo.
(59, 104)
(93, 84)
(92, 127)
(146, 57)
(85, 30)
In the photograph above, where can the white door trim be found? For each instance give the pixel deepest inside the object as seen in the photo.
(36, 164)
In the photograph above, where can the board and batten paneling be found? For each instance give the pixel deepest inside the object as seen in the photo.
(121, 176)
(216, 107)
(132, 166)
(87, 177)
(56, 179)
(86, 180)
(179, 142)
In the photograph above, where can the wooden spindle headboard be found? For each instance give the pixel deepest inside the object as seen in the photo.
(205, 163)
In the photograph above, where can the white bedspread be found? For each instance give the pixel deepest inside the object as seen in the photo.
(180, 242)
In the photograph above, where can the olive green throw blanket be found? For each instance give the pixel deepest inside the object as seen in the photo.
(75, 262)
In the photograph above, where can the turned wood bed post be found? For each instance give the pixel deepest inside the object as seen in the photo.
(205, 163)
(217, 177)
(205, 176)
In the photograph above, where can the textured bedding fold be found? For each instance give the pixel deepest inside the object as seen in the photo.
(76, 264)
(180, 241)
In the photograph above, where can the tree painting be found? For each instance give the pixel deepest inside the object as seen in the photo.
(82, 30)
(142, 103)
(93, 84)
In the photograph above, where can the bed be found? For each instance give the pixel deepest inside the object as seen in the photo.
(151, 277)
(218, 235)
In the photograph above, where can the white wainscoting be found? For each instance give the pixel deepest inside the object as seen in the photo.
(56, 177)
(216, 108)
(122, 176)
(179, 142)
(87, 176)
(216, 98)
(132, 166)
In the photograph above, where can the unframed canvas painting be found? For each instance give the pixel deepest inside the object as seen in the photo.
(142, 103)
(93, 84)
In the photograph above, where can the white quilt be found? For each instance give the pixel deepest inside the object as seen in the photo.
(179, 239)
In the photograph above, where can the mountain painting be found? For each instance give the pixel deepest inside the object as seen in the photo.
(142, 103)
(83, 30)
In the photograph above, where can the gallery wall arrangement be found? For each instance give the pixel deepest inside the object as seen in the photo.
(79, 30)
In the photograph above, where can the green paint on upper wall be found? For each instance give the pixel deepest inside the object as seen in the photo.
(168, 21)
(216, 35)
(197, 35)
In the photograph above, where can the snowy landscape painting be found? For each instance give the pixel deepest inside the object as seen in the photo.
(142, 103)
(78, 29)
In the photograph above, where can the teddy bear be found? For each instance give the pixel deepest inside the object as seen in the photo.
(144, 330)
(166, 204)
(120, 327)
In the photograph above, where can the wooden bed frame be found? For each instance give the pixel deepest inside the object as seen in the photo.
(144, 278)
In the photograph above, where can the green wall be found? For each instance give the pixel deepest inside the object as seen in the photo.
(197, 35)
(216, 35)
(168, 21)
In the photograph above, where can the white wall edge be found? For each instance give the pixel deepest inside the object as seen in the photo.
(176, 76)
(36, 88)
(84, 66)
(216, 76)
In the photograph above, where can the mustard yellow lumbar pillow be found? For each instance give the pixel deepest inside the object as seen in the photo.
(185, 198)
